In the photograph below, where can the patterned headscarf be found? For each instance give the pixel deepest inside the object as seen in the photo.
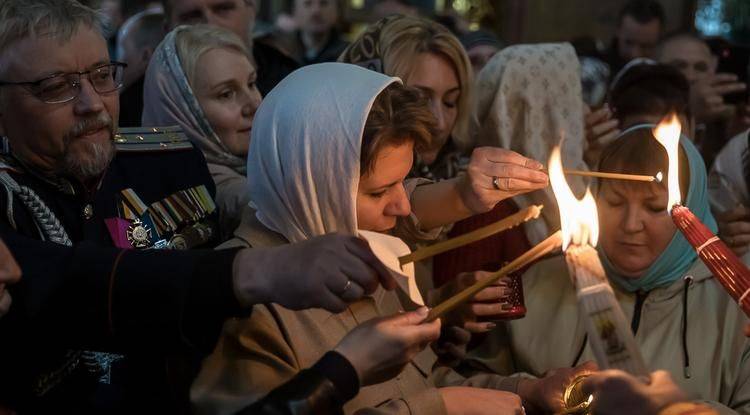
(168, 99)
(528, 99)
(365, 51)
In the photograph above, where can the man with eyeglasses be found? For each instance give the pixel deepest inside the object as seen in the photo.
(94, 319)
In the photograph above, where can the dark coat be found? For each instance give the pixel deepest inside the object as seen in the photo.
(141, 307)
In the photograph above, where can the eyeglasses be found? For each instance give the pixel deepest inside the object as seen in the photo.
(57, 89)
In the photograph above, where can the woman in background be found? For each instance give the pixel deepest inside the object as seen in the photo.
(427, 56)
(683, 320)
(202, 79)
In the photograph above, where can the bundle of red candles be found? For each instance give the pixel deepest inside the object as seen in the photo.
(723, 263)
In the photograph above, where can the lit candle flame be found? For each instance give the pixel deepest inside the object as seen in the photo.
(579, 218)
(667, 133)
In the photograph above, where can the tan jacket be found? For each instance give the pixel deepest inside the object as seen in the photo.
(552, 334)
(257, 354)
(232, 195)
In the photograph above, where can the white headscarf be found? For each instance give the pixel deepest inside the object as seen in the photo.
(303, 164)
(528, 98)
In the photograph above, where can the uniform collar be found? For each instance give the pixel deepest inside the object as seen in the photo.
(59, 183)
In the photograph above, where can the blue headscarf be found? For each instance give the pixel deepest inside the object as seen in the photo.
(679, 255)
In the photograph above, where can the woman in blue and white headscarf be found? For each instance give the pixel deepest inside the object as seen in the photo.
(684, 322)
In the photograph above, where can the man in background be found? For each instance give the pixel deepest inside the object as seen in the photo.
(136, 42)
(238, 16)
(480, 46)
(317, 39)
(714, 115)
(639, 26)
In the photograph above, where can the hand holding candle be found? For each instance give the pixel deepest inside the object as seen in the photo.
(726, 267)
(545, 247)
(518, 218)
(609, 332)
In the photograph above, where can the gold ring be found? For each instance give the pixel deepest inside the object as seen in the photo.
(495, 184)
(574, 399)
(346, 287)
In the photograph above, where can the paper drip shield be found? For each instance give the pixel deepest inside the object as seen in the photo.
(388, 249)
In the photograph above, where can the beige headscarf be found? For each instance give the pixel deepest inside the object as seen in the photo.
(529, 97)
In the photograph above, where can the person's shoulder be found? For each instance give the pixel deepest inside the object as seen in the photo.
(550, 274)
(735, 149)
(161, 148)
(151, 139)
(712, 293)
(270, 48)
(552, 265)
(156, 162)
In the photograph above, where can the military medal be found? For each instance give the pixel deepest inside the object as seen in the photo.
(178, 242)
(88, 211)
(139, 234)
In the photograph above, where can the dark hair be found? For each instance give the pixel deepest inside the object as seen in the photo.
(638, 152)
(650, 89)
(643, 11)
(167, 6)
(399, 115)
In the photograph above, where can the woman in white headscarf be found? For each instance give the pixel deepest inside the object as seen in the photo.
(202, 79)
(331, 147)
(528, 99)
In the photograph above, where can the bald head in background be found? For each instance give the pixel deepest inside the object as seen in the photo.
(692, 56)
(136, 42)
(689, 54)
(235, 15)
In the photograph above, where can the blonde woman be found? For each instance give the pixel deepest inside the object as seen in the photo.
(427, 56)
(202, 79)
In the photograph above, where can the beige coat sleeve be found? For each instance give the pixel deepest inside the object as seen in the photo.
(425, 402)
(252, 358)
(232, 196)
(445, 376)
(719, 408)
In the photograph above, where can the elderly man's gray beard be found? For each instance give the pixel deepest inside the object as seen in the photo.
(5, 302)
(98, 156)
(91, 163)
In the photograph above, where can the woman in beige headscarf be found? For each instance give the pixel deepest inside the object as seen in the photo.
(528, 99)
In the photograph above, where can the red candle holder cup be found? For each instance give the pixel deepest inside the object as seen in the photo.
(515, 297)
(726, 267)
(514, 305)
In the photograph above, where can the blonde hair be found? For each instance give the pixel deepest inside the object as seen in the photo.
(406, 37)
(193, 41)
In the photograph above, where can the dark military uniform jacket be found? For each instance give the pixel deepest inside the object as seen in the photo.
(93, 321)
